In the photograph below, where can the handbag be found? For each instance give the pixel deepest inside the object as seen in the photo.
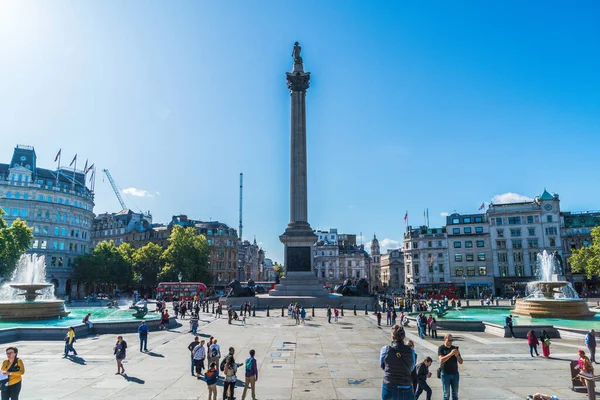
(439, 372)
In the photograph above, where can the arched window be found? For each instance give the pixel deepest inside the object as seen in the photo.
(8, 195)
(47, 214)
(26, 196)
(17, 195)
(20, 178)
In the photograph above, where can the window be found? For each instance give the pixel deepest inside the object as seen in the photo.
(35, 244)
(7, 211)
(503, 257)
(469, 257)
(514, 220)
(552, 242)
(471, 271)
(530, 219)
(49, 199)
(498, 221)
(61, 246)
(518, 256)
(15, 212)
(416, 268)
(517, 243)
(458, 257)
(440, 255)
(501, 244)
(17, 195)
(63, 231)
(56, 230)
(466, 220)
(55, 245)
(532, 256)
(500, 232)
(53, 262)
(532, 243)
(8, 195)
(416, 256)
(548, 218)
(66, 202)
(482, 271)
(468, 244)
(515, 232)
(519, 270)
(441, 268)
(480, 243)
(455, 221)
(44, 244)
(41, 197)
(47, 215)
(457, 245)
(439, 243)
(431, 268)
(456, 231)
(551, 231)
(503, 270)
(468, 230)
(479, 229)
(209, 241)
(478, 219)
(36, 229)
(60, 261)
(23, 213)
(459, 271)
(60, 200)
(415, 245)
(531, 231)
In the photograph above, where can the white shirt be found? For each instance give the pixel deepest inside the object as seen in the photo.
(215, 346)
(199, 352)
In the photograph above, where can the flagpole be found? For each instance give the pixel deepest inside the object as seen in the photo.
(74, 168)
(58, 170)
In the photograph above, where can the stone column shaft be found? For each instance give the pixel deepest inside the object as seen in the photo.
(298, 184)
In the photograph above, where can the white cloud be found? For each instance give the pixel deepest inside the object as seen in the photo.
(444, 213)
(507, 198)
(389, 244)
(136, 192)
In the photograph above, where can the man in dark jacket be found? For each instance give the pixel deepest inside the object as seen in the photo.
(397, 361)
(422, 375)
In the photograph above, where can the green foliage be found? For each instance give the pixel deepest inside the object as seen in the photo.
(279, 270)
(107, 264)
(187, 254)
(147, 263)
(587, 259)
(14, 241)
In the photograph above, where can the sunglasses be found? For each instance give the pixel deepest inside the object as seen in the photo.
(10, 352)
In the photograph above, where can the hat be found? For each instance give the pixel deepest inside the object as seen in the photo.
(581, 352)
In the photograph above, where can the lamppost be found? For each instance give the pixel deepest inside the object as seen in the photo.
(466, 287)
(179, 276)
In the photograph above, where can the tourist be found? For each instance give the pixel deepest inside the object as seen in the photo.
(397, 361)
(164, 319)
(69, 340)
(413, 373)
(194, 325)
(429, 324)
(388, 317)
(378, 314)
(533, 342)
(14, 369)
(86, 320)
(422, 375)
(545, 344)
(230, 370)
(434, 329)
(214, 352)
(590, 342)
(302, 315)
(183, 309)
(251, 375)
(449, 357)
(394, 316)
(421, 323)
(336, 313)
(585, 368)
(211, 376)
(120, 351)
(199, 354)
(143, 334)
(509, 324)
(191, 348)
(328, 314)
(540, 396)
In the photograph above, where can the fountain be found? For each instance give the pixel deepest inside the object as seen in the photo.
(551, 296)
(30, 276)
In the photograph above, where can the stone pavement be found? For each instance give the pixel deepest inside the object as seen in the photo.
(315, 361)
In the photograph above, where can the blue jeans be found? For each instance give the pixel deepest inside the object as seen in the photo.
(421, 331)
(144, 342)
(192, 368)
(389, 392)
(531, 349)
(69, 347)
(450, 381)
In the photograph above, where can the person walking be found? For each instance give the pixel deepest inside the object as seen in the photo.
(199, 354)
(545, 339)
(211, 376)
(164, 320)
(590, 343)
(449, 357)
(328, 314)
(230, 377)
(143, 334)
(422, 322)
(120, 351)
(388, 317)
(191, 348)
(214, 352)
(13, 369)
(434, 328)
(429, 324)
(422, 375)
(336, 313)
(397, 361)
(533, 342)
(251, 375)
(509, 324)
(302, 315)
(378, 315)
(69, 340)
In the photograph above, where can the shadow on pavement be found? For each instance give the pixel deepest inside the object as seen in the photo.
(133, 379)
(153, 354)
(76, 360)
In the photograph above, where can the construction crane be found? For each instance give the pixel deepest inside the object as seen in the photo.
(116, 189)
(241, 198)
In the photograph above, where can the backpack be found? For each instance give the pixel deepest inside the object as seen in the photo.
(249, 364)
(222, 366)
(214, 352)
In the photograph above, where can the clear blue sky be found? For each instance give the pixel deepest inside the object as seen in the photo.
(412, 105)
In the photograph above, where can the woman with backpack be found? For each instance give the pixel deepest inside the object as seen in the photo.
(120, 350)
(230, 377)
(14, 369)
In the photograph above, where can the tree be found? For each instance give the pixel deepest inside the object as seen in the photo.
(148, 263)
(587, 259)
(279, 270)
(107, 264)
(187, 254)
(14, 241)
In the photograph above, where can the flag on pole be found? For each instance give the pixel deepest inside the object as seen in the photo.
(89, 169)
(482, 206)
(74, 159)
(57, 155)
(406, 217)
(85, 166)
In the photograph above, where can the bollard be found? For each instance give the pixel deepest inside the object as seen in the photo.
(282, 311)
(482, 302)
(253, 310)
(342, 308)
(467, 301)
(313, 310)
(366, 312)
(355, 309)
(268, 308)
(497, 302)
(213, 311)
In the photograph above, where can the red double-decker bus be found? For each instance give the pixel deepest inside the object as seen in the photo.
(181, 290)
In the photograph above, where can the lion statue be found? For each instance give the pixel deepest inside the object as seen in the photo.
(237, 290)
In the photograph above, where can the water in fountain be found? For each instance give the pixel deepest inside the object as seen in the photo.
(31, 268)
(550, 283)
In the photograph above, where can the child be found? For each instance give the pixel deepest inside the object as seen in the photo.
(336, 313)
(211, 381)
(422, 375)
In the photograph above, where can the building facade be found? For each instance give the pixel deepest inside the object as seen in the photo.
(426, 260)
(375, 270)
(57, 205)
(116, 226)
(392, 271)
(249, 260)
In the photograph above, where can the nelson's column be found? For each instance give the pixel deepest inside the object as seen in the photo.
(298, 238)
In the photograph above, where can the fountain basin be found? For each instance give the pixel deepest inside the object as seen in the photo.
(33, 310)
(549, 308)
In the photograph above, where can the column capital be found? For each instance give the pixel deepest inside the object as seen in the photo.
(298, 81)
